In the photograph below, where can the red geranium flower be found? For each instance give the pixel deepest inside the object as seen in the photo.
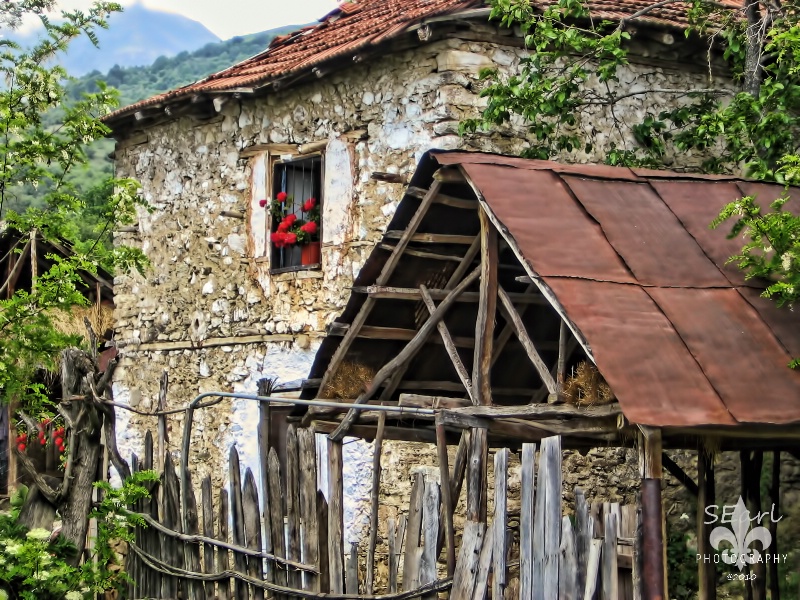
(290, 219)
(262, 203)
(283, 227)
(310, 228)
(281, 197)
(291, 238)
(279, 239)
(309, 204)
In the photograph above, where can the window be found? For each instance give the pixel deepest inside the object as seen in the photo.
(295, 213)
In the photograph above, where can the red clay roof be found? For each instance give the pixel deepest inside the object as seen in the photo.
(358, 25)
(680, 336)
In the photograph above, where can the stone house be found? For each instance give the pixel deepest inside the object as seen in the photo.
(340, 111)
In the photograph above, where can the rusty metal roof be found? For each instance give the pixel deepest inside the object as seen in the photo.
(355, 27)
(680, 336)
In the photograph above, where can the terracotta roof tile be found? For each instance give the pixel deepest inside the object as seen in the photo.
(358, 25)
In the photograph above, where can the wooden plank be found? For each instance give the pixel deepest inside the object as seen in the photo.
(500, 522)
(208, 530)
(584, 531)
(133, 565)
(477, 475)
(468, 560)
(192, 550)
(380, 292)
(382, 279)
(526, 523)
(568, 566)
(540, 529)
(152, 541)
(264, 419)
(252, 531)
(351, 578)
(522, 335)
(609, 562)
(170, 514)
(406, 354)
(335, 517)
(276, 503)
(223, 585)
(430, 532)
(538, 411)
(449, 345)
(443, 199)
(457, 477)
(430, 238)
(293, 504)
(447, 500)
(163, 438)
(627, 531)
(420, 401)
(484, 324)
(593, 570)
(369, 584)
(484, 563)
(551, 453)
(374, 332)
(392, 545)
(237, 522)
(413, 533)
(308, 505)
(322, 544)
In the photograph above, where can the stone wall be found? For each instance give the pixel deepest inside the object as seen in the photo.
(210, 312)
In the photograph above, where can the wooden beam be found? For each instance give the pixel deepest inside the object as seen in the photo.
(413, 294)
(477, 475)
(430, 238)
(508, 328)
(653, 548)
(422, 253)
(374, 503)
(382, 279)
(447, 500)
(335, 517)
(406, 354)
(418, 401)
(522, 334)
(444, 199)
(448, 175)
(542, 393)
(706, 571)
(449, 345)
(371, 332)
(679, 474)
(533, 411)
(484, 325)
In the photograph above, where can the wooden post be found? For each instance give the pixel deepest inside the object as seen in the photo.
(335, 517)
(392, 544)
(653, 567)
(369, 584)
(413, 551)
(526, 522)
(583, 537)
(476, 475)
(276, 503)
(265, 389)
(499, 523)
(751, 483)
(163, 438)
(568, 568)
(237, 522)
(706, 571)
(447, 501)
(308, 505)
(351, 580)
(223, 585)
(775, 499)
(252, 531)
(609, 558)
(292, 476)
(208, 531)
(550, 455)
(487, 305)
(430, 530)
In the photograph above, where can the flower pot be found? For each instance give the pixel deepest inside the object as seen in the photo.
(310, 254)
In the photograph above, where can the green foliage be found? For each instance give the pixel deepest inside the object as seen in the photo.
(34, 565)
(573, 71)
(681, 566)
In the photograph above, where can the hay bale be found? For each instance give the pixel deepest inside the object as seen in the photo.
(348, 382)
(587, 387)
(71, 322)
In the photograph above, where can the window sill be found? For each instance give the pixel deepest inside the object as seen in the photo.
(298, 272)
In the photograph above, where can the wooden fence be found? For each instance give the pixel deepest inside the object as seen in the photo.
(279, 546)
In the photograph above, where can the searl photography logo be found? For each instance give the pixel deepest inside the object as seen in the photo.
(740, 538)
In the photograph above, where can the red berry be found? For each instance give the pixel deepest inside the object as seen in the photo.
(59, 441)
(61, 448)
(21, 447)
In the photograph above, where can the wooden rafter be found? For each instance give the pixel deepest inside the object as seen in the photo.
(406, 354)
(383, 278)
(522, 334)
(413, 294)
(508, 329)
(431, 238)
(449, 345)
(484, 325)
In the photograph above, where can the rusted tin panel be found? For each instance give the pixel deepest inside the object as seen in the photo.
(645, 233)
(697, 204)
(784, 322)
(644, 360)
(737, 352)
(550, 227)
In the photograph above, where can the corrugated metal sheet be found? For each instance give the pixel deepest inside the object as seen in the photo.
(354, 26)
(631, 259)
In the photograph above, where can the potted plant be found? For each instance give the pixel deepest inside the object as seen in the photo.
(295, 232)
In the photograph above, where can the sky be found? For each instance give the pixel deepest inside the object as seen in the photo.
(227, 18)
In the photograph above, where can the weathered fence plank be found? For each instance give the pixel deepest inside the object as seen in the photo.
(335, 517)
(413, 533)
(264, 418)
(223, 585)
(393, 555)
(351, 578)
(237, 522)
(152, 545)
(293, 504)
(170, 512)
(322, 544)
(584, 531)
(593, 570)
(430, 531)
(526, 522)
(468, 558)
(609, 562)
(567, 569)
(276, 515)
(484, 562)
(499, 522)
(308, 505)
(208, 531)
(551, 452)
(194, 589)
(252, 531)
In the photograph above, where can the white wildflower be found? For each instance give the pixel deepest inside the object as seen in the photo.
(73, 595)
(786, 261)
(13, 548)
(42, 575)
(38, 534)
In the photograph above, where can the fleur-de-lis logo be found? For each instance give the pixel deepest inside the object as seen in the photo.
(740, 537)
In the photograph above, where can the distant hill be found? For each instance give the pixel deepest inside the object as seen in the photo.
(166, 73)
(135, 37)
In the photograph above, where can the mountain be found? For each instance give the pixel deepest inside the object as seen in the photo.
(137, 36)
